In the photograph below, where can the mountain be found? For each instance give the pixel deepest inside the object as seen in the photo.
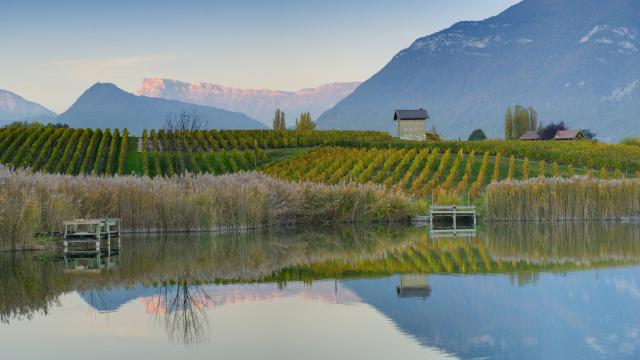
(16, 108)
(105, 105)
(257, 103)
(573, 60)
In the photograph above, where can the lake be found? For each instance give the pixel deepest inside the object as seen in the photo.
(525, 291)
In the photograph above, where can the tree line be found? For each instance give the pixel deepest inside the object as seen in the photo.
(303, 123)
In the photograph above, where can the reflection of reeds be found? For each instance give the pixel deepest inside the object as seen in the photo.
(580, 243)
(28, 285)
(578, 198)
(40, 203)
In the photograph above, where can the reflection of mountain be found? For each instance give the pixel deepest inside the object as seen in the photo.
(579, 315)
(512, 292)
(282, 257)
(210, 296)
(112, 299)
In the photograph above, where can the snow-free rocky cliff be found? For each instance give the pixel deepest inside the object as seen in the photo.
(576, 61)
(257, 103)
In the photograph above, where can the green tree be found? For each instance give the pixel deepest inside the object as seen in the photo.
(279, 122)
(304, 122)
(533, 119)
(518, 121)
(477, 135)
(508, 125)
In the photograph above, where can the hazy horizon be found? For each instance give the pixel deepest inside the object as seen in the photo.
(55, 51)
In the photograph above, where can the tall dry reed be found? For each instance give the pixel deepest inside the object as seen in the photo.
(31, 203)
(577, 198)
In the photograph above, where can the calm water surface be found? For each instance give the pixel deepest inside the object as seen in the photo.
(563, 291)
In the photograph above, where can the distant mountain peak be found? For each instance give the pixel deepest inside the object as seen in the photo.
(257, 103)
(106, 105)
(14, 107)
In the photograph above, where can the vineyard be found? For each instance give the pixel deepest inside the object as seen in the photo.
(156, 153)
(448, 171)
(448, 175)
(588, 154)
(64, 151)
(215, 140)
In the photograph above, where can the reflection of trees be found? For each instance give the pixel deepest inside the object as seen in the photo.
(522, 250)
(28, 285)
(32, 283)
(181, 309)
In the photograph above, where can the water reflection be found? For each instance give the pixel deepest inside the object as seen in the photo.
(526, 291)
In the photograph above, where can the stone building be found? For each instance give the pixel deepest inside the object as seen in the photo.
(412, 124)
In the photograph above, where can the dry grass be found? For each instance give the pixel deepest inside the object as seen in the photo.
(577, 198)
(31, 203)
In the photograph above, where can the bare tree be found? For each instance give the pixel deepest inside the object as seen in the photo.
(180, 124)
(185, 120)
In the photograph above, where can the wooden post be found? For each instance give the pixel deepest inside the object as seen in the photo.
(454, 218)
(98, 238)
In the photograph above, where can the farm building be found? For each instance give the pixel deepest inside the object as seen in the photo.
(412, 124)
(569, 135)
(530, 135)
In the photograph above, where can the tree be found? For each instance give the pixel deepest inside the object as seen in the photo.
(185, 120)
(180, 124)
(588, 134)
(508, 125)
(477, 135)
(279, 122)
(304, 122)
(549, 131)
(518, 121)
(533, 119)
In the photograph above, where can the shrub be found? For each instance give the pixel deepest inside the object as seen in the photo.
(477, 135)
(631, 140)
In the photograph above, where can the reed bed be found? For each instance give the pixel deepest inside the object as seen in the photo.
(557, 199)
(39, 203)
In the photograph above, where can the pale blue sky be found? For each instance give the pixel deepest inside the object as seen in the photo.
(54, 50)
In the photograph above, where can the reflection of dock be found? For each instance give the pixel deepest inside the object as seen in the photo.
(451, 233)
(414, 286)
(91, 256)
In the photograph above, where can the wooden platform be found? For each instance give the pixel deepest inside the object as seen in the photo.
(89, 230)
(453, 212)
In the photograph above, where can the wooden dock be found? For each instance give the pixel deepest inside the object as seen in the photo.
(453, 212)
(90, 231)
(95, 229)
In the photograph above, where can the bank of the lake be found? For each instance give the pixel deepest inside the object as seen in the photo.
(39, 203)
